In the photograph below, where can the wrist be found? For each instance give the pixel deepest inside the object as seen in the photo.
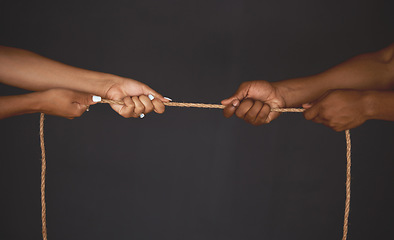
(36, 101)
(101, 83)
(369, 101)
(282, 91)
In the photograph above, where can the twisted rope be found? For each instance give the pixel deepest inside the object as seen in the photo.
(203, 105)
(43, 170)
(195, 105)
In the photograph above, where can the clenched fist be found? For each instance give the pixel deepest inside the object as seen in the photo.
(339, 109)
(253, 102)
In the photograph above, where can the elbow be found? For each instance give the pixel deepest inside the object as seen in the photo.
(390, 65)
(386, 57)
(387, 54)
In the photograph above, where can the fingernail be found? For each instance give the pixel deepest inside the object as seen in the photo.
(96, 99)
(142, 115)
(168, 99)
(235, 103)
(151, 97)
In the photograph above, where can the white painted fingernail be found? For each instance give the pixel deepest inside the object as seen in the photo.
(96, 99)
(168, 98)
(151, 97)
(142, 115)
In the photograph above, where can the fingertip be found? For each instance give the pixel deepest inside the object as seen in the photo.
(91, 102)
(95, 99)
(307, 105)
(235, 103)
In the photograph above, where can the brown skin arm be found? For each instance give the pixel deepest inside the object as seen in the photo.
(371, 71)
(57, 102)
(27, 70)
(347, 109)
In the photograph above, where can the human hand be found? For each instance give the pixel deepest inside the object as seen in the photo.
(138, 98)
(339, 109)
(63, 102)
(253, 102)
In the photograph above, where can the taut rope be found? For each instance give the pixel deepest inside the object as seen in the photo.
(195, 105)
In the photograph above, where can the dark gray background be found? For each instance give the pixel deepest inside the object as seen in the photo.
(190, 173)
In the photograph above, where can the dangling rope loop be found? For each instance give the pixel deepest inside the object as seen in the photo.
(195, 105)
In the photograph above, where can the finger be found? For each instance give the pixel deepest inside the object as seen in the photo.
(149, 91)
(147, 103)
(243, 108)
(158, 106)
(272, 116)
(229, 110)
(79, 109)
(251, 115)
(311, 113)
(240, 94)
(127, 110)
(263, 115)
(139, 107)
(307, 105)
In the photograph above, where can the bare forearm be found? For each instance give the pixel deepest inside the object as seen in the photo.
(27, 70)
(19, 104)
(371, 71)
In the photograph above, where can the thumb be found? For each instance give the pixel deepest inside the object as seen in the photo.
(307, 105)
(85, 98)
(239, 95)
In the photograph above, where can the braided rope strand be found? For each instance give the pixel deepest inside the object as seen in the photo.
(203, 105)
(348, 180)
(43, 172)
(195, 105)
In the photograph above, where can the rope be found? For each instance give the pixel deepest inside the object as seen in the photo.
(43, 170)
(348, 178)
(196, 105)
(203, 105)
